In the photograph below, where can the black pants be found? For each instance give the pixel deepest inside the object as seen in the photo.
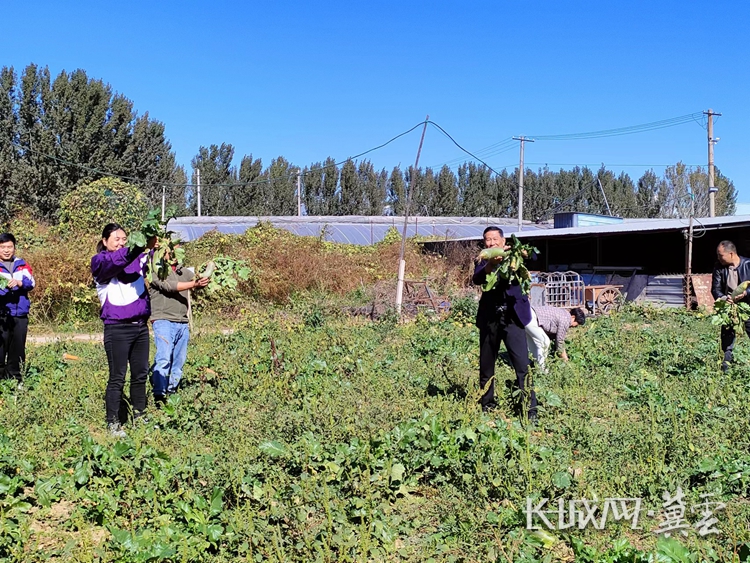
(728, 338)
(13, 332)
(126, 343)
(514, 336)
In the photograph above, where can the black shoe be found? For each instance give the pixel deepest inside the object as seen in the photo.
(160, 401)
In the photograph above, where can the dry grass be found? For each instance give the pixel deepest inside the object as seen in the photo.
(282, 265)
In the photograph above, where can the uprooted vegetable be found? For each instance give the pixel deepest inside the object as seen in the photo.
(740, 289)
(730, 314)
(511, 268)
(166, 253)
(225, 273)
(4, 282)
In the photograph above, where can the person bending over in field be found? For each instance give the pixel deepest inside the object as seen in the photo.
(503, 312)
(14, 309)
(118, 273)
(730, 271)
(550, 322)
(169, 314)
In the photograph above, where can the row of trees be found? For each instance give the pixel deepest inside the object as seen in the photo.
(357, 188)
(58, 134)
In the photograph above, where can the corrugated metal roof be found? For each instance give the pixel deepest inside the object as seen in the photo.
(636, 225)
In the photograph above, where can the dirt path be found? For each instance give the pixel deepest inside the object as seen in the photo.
(97, 337)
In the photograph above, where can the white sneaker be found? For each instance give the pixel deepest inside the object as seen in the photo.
(116, 431)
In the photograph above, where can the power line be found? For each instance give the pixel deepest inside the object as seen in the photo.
(156, 182)
(601, 164)
(495, 149)
(652, 126)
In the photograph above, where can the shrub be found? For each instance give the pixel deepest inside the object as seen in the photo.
(89, 207)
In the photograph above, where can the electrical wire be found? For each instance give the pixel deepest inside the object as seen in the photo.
(652, 126)
(156, 182)
(495, 149)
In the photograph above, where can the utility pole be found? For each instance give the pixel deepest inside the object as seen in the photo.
(198, 175)
(689, 258)
(711, 142)
(163, 202)
(605, 196)
(299, 197)
(401, 262)
(520, 182)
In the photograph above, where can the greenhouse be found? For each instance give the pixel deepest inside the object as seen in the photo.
(361, 230)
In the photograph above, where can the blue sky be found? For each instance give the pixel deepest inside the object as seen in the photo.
(311, 80)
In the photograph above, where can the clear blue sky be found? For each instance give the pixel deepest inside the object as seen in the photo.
(308, 80)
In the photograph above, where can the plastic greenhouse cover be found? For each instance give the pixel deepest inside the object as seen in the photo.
(358, 230)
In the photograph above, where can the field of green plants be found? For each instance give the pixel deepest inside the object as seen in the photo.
(307, 436)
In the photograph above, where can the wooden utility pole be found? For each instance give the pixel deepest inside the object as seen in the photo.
(520, 181)
(401, 262)
(198, 176)
(711, 142)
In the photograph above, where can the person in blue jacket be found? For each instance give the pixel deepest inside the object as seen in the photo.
(14, 308)
(503, 313)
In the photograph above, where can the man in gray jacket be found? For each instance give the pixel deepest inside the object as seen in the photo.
(169, 314)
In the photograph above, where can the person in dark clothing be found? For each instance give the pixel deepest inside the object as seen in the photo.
(503, 313)
(730, 271)
(14, 309)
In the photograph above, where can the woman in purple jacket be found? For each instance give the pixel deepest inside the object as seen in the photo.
(118, 273)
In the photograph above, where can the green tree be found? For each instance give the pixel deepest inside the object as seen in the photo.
(396, 191)
(216, 175)
(649, 194)
(351, 192)
(93, 205)
(253, 189)
(479, 195)
(148, 157)
(372, 188)
(73, 130)
(8, 151)
(282, 187)
(446, 202)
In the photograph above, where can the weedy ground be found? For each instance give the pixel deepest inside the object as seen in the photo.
(304, 436)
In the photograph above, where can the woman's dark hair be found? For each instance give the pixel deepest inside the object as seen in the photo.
(106, 233)
(579, 315)
(7, 237)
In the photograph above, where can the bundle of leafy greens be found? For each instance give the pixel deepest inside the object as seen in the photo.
(4, 282)
(729, 313)
(511, 268)
(166, 253)
(224, 273)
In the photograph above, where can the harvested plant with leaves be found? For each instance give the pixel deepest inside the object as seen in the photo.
(730, 314)
(166, 245)
(224, 272)
(512, 267)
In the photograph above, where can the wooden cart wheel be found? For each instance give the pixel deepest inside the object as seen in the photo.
(609, 299)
